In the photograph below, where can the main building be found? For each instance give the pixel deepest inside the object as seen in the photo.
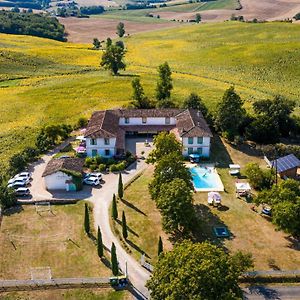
(107, 130)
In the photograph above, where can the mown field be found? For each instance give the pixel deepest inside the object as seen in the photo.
(249, 231)
(43, 81)
(53, 239)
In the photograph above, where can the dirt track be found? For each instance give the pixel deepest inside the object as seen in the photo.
(84, 30)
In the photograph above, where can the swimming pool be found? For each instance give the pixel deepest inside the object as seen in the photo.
(206, 179)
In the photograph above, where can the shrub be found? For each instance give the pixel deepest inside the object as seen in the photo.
(93, 167)
(98, 160)
(113, 168)
(17, 163)
(102, 167)
(88, 161)
(30, 153)
(258, 178)
(121, 166)
(82, 122)
(111, 161)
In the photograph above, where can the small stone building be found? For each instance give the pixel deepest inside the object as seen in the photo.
(64, 174)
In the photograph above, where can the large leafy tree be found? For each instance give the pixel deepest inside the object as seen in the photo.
(195, 102)
(7, 196)
(277, 111)
(285, 202)
(175, 202)
(164, 83)
(113, 59)
(139, 98)
(230, 114)
(259, 178)
(198, 271)
(168, 168)
(164, 143)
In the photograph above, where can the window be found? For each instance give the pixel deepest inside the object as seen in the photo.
(200, 139)
(93, 142)
(107, 152)
(199, 151)
(94, 152)
(126, 120)
(144, 120)
(190, 150)
(190, 140)
(106, 141)
(168, 121)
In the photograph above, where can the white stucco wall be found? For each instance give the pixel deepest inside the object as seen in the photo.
(150, 121)
(205, 146)
(57, 181)
(101, 147)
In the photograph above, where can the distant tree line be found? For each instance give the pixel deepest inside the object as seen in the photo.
(91, 10)
(31, 24)
(33, 4)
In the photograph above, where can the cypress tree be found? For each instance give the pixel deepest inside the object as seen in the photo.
(114, 260)
(124, 226)
(160, 247)
(114, 210)
(99, 243)
(86, 219)
(120, 187)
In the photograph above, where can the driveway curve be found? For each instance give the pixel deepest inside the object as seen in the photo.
(102, 198)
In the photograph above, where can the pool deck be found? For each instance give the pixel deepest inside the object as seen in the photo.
(219, 184)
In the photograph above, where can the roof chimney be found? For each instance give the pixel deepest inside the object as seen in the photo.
(198, 113)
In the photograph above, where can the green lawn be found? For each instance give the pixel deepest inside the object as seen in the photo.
(30, 240)
(250, 232)
(46, 82)
(143, 220)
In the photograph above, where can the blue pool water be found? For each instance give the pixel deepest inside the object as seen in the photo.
(205, 178)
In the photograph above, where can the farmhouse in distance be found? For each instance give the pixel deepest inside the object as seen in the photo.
(107, 130)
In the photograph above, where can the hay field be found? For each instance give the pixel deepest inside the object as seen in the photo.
(44, 81)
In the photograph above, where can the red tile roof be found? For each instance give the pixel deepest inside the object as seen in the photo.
(105, 124)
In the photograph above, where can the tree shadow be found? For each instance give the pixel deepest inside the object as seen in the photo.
(219, 153)
(128, 228)
(207, 221)
(127, 203)
(136, 293)
(137, 248)
(13, 210)
(106, 262)
(267, 293)
(248, 149)
(294, 242)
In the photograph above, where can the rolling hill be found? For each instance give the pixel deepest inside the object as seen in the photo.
(44, 81)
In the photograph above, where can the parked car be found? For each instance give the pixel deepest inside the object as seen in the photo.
(16, 185)
(26, 175)
(94, 181)
(22, 191)
(97, 175)
(20, 180)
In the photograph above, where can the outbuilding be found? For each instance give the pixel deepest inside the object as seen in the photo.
(286, 166)
(64, 174)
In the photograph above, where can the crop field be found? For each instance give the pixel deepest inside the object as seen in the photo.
(44, 81)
